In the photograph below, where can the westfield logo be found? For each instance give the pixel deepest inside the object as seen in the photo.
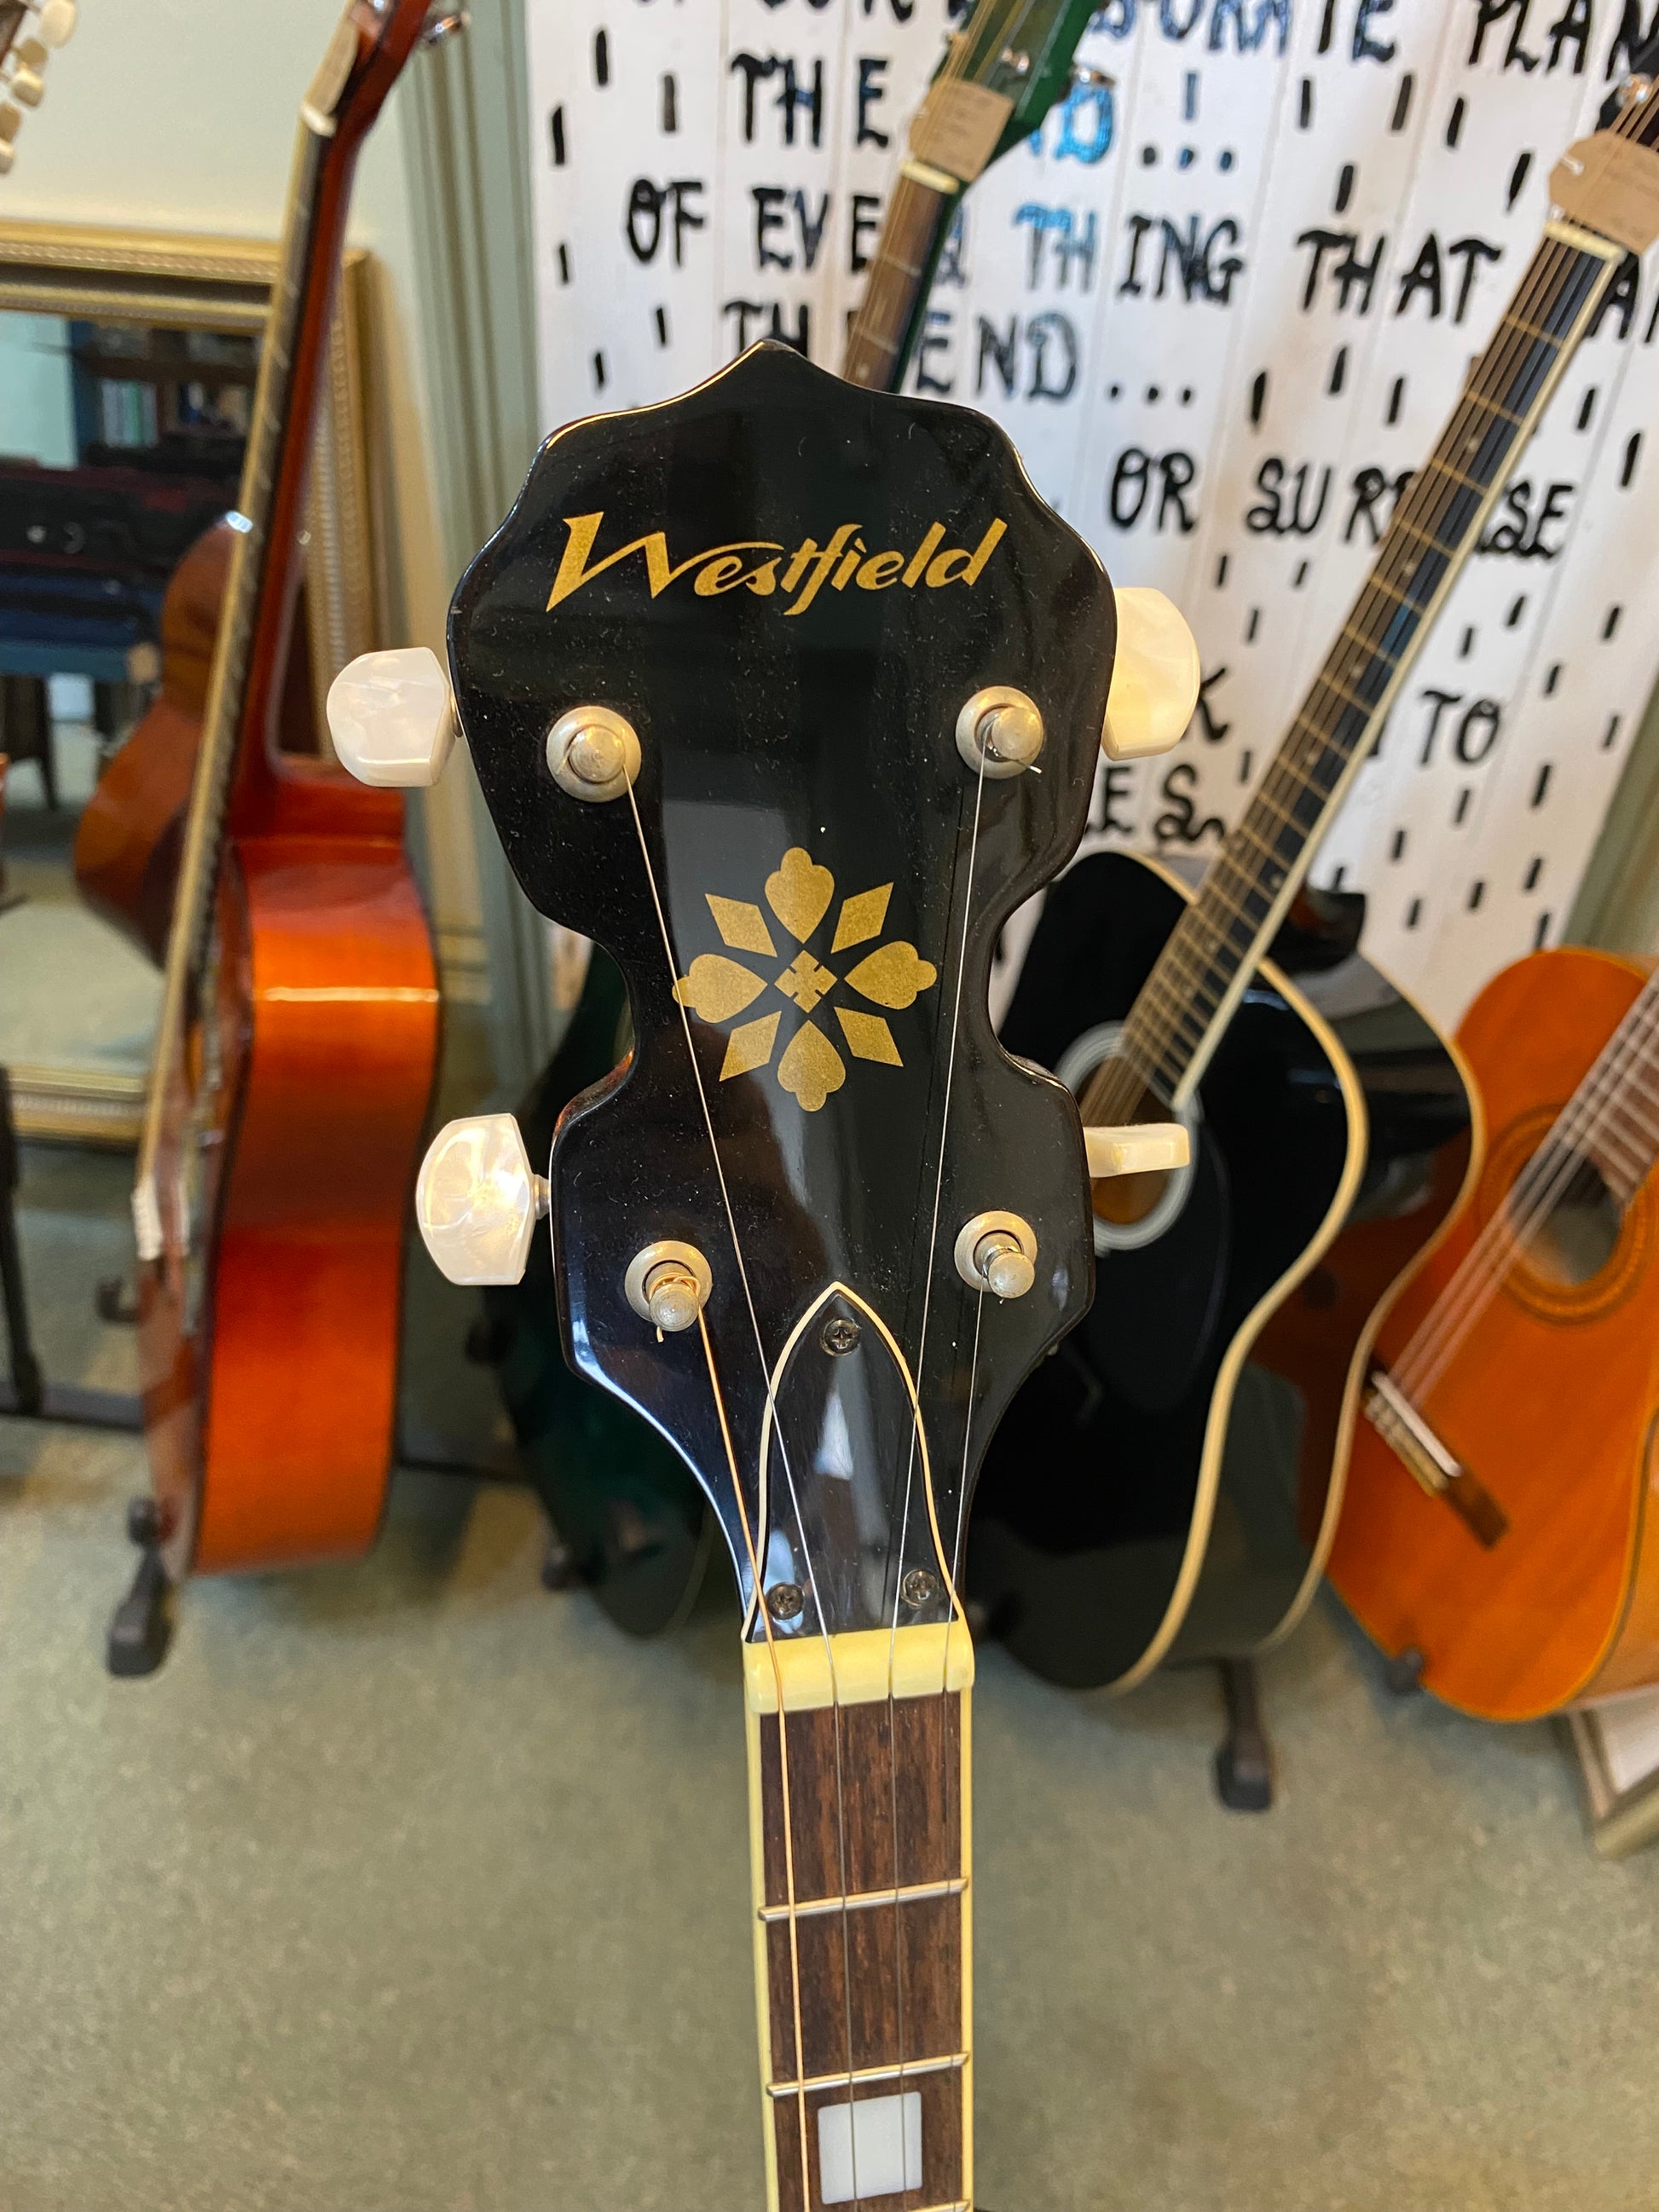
(767, 568)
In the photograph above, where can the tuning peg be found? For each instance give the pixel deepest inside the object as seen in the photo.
(27, 85)
(1155, 680)
(58, 19)
(391, 716)
(11, 122)
(1140, 1148)
(477, 1199)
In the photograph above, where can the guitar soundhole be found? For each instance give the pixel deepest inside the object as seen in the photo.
(1126, 1200)
(1578, 1236)
(1129, 1211)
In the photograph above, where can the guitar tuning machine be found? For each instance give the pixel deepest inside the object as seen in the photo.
(57, 22)
(668, 1284)
(1156, 677)
(997, 1252)
(477, 1200)
(593, 753)
(999, 731)
(391, 716)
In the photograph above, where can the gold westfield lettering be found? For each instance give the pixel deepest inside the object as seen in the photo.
(764, 566)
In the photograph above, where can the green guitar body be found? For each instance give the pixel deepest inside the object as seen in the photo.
(623, 1501)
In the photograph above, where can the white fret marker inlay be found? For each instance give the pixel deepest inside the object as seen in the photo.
(870, 2148)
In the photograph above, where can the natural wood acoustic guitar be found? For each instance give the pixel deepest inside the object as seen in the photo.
(1496, 1538)
(297, 1039)
(752, 682)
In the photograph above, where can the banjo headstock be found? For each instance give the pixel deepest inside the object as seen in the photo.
(789, 693)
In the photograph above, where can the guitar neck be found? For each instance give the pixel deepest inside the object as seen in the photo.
(883, 330)
(1189, 998)
(860, 1836)
(258, 601)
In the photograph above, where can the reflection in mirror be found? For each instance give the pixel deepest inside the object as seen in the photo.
(128, 371)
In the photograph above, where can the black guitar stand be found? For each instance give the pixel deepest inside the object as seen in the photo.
(1245, 1762)
(142, 1629)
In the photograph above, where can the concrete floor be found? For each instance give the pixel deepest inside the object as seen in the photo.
(407, 1888)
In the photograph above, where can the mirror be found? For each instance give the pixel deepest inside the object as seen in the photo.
(128, 364)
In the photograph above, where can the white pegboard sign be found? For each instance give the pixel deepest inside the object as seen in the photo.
(1223, 308)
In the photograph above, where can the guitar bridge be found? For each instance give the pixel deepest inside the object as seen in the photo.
(1440, 1472)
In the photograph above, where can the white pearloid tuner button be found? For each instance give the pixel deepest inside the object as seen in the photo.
(1138, 1148)
(391, 716)
(1155, 679)
(477, 1199)
(57, 22)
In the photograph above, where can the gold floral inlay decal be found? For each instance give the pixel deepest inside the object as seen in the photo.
(799, 893)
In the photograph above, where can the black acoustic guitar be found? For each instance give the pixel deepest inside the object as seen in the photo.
(630, 1522)
(1164, 1487)
(733, 676)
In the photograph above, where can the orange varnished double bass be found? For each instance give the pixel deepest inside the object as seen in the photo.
(298, 1034)
(1499, 1538)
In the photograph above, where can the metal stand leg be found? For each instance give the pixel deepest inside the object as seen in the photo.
(1243, 1764)
(27, 1384)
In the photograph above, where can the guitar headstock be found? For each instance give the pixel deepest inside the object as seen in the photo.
(29, 31)
(1002, 73)
(729, 673)
(371, 41)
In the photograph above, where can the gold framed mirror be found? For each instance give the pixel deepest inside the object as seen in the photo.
(127, 361)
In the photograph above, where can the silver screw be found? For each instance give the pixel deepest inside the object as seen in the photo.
(785, 1601)
(839, 1336)
(918, 1587)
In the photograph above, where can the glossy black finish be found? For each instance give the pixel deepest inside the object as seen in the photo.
(635, 1523)
(770, 725)
(1089, 1490)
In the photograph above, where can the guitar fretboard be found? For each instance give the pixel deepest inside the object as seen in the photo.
(278, 425)
(878, 340)
(1188, 998)
(862, 1940)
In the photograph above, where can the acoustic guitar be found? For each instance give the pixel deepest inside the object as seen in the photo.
(631, 1525)
(1187, 1435)
(753, 683)
(1494, 1538)
(297, 1040)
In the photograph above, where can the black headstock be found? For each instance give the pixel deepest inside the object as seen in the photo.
(789, 588)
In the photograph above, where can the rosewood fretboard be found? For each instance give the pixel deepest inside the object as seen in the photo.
(863, 1984)
(1189, 997)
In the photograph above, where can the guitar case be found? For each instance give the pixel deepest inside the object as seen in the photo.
(634, 1521)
